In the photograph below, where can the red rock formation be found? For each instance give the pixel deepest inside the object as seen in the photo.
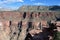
(9, 29)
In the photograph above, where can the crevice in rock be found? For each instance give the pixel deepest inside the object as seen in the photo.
(29, 26)
(10, 29)
(14, 31)
(31, 15)
(19, 28)
(24, 15)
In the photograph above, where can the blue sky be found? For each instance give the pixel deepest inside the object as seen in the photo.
(15, 4)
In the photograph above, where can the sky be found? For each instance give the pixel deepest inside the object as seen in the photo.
(15, 4)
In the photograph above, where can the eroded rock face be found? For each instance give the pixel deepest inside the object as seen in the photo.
(13, 26)
(58, 26)
(4, 30)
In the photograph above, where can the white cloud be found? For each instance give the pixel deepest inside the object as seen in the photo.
(5, 3)
(21, 0)
(15, 0)
(11, 1)
(38, 3)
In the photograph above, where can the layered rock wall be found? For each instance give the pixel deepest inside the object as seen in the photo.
(13, 25)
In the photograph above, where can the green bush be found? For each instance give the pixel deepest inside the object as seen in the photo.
(57, 36)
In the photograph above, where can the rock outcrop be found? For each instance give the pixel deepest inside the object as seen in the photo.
(14, 24)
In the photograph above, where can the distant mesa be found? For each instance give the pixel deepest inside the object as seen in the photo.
(55, 8)
(39, 8)
(34, 8)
